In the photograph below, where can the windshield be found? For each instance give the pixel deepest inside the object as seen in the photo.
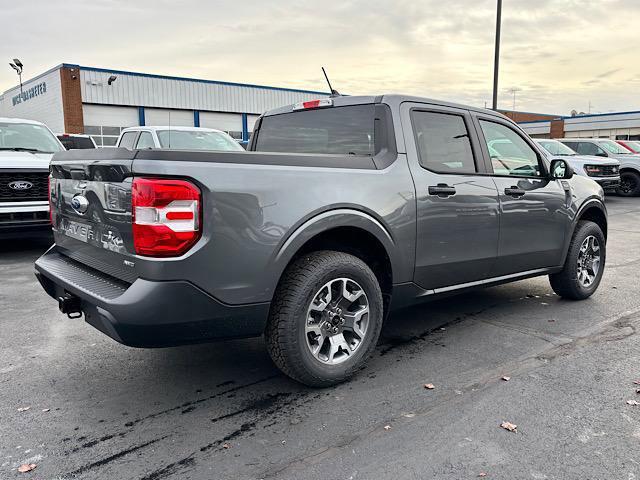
(27, 137)
(556, 148)
(197, 140)
(613, 147)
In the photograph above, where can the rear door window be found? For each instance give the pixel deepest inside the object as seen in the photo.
(334, 130)
(145, 140)
(443, 142)
(127, 140)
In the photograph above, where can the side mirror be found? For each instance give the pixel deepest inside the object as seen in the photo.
(560, 169)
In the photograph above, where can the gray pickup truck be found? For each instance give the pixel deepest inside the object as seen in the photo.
(342, 210)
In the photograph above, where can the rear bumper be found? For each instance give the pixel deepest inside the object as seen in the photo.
(148, 313)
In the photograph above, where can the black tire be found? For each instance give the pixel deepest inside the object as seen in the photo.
(285, 335)
(629, 184)
(565, 283)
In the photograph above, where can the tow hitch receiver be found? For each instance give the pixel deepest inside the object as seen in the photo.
(70, 305)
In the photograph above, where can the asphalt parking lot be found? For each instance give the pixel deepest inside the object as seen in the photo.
(98, 409)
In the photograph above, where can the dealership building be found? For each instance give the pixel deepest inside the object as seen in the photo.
(101, 102)
(616, 126)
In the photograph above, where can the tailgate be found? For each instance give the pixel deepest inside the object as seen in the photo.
(91, 208)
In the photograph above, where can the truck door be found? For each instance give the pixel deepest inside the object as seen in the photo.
(457, 203)
(534, 217)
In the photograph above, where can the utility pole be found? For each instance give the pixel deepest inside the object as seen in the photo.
(513, 91)
(496, 59)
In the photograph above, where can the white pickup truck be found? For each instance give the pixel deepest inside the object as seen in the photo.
(604, 171)
(177, 138)
(26, 148)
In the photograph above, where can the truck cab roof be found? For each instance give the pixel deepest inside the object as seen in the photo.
(391, 99)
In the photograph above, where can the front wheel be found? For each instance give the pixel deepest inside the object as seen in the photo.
(325, 319)
(584, 265)
(629, 184)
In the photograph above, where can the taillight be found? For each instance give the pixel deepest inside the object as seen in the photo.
(325, 102)
(166, 216)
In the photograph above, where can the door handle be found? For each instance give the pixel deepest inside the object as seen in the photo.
(514, 191)
(442, 190)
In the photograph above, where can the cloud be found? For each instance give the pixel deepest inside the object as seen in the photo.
(551, 49)
(608, 73)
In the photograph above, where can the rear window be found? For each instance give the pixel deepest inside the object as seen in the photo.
(72, 143)
(334, 130)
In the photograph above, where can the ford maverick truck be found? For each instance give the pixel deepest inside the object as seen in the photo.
(341, 210)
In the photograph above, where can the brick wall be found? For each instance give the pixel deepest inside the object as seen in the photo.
(72, 100)
(557, 128)
(527, 116)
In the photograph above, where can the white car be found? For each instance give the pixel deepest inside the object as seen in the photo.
(607, 148)
(26, 148)
(605, 171)
(177, 138)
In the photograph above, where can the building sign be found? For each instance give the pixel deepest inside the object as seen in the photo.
(28, 94)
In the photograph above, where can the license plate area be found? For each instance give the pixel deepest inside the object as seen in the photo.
(97, 235)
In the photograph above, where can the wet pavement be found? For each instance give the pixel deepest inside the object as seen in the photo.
(98, 409)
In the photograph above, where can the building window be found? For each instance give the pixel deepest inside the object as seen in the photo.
(104, 136)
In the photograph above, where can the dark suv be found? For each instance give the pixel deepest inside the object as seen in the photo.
(343, 209)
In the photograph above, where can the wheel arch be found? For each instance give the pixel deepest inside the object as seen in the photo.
(595, 212)
(349, 231)
(592, 210)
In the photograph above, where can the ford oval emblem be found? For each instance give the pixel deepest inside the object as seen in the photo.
(21, 185)
(80, 204)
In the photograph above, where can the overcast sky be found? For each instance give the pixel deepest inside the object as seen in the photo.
(560, 54)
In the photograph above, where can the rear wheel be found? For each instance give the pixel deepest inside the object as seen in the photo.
(584, 265)
(325, 319)
(629, 184)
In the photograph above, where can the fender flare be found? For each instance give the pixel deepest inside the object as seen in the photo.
(328, 220)
(592, 202)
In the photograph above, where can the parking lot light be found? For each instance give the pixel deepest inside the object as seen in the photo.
(17, 66)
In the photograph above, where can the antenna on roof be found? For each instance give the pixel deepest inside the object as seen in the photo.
(334, 93)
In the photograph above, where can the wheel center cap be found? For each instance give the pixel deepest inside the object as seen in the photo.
(334, 322)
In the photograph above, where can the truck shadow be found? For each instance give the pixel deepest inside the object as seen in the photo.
(25, 248)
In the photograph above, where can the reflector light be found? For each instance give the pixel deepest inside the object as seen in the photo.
(166, 216)
(51, 188)
(324, 102)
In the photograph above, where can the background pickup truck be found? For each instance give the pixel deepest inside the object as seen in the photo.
(342, 210)
(26, 148)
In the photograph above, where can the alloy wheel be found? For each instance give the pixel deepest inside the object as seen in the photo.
(588, 261)
(337, 321)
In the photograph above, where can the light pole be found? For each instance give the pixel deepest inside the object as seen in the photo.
(496, 58)
(17, 66)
